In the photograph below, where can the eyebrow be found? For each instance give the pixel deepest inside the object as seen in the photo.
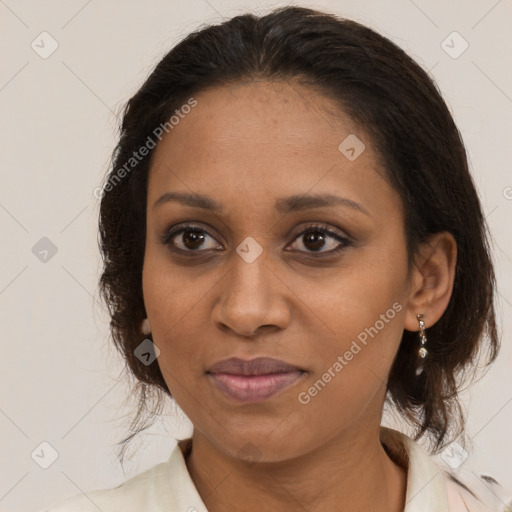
(283, 205)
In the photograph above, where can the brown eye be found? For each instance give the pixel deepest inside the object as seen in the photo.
(192, 239)
(315, 238)
(189, 239)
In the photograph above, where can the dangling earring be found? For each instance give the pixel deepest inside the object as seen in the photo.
(146, 327)
(422, 352)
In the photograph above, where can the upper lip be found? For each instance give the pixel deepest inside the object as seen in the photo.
(256, 366)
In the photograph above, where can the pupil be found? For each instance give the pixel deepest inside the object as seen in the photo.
(193, 239)
(316, 238)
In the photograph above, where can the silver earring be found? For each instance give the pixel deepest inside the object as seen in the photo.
(422, 352)
(146, 327)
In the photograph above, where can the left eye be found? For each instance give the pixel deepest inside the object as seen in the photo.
(316, 238)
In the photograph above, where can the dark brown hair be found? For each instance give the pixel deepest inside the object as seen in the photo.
(400, 108)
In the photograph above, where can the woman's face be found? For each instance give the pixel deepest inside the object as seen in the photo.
(273, 272)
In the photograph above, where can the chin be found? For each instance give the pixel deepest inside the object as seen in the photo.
(262, 446)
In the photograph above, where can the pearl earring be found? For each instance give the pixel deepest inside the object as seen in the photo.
(146, 327)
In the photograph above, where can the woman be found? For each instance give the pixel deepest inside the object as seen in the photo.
(291, 238)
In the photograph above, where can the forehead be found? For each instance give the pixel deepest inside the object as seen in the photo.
(264, 112)
(262, 139)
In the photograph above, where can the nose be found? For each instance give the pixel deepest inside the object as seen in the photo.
(252, 299)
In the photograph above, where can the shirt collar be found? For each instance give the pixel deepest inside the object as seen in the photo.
(426, 488)
(425, 492)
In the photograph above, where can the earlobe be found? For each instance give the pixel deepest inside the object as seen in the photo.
(432, 280)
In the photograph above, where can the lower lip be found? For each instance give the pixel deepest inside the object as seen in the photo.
(254, 388)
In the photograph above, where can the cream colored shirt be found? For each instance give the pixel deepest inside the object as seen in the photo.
(167, 487)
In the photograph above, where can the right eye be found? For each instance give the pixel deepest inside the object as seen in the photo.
(187, 238)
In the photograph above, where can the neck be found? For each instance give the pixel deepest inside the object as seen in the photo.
(345, 473)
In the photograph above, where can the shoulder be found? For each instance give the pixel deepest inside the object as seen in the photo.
(445, 484)
(469, 492)
(146, 491)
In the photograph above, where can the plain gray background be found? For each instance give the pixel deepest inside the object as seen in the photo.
(60, 374)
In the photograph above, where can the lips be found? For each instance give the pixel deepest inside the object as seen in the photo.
(253, 380)
(257, 366)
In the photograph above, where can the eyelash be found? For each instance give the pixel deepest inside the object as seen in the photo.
(315, 228)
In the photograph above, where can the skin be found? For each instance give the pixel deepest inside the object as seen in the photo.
(245, 146)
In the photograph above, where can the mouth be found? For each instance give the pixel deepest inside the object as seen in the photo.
(253, 380)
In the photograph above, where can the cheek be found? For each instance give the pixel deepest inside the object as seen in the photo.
(360, 294)
(350, 378)
(361, 311)
(176, 303)
(170, 291)
(164, 299)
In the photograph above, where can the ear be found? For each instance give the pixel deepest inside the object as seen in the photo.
(431, 279)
